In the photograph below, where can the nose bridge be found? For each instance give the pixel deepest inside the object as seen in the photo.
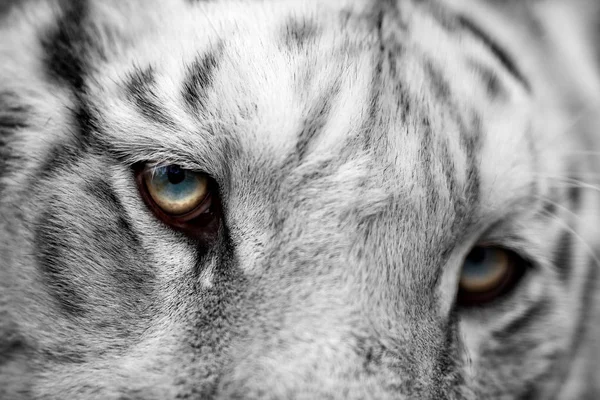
(329, 299)
(304, 321)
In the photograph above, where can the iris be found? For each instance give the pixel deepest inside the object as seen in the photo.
(176, 190)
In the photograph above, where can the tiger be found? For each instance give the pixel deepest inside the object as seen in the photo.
(336, 199)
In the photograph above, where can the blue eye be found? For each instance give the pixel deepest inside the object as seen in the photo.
(176, 191)
(487, 273)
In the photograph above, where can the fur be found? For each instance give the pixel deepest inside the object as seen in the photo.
(361, 148)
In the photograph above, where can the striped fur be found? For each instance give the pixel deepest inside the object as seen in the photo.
(361, 148)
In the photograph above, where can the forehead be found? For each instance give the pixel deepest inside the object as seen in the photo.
(315, 81)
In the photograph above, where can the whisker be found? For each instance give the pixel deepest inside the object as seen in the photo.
(546, 199)
(572, 182)
(581, 152)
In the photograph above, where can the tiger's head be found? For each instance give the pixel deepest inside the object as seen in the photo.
(299, 200)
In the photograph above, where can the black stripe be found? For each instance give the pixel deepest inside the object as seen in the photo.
(103, 191)
(529, 317)
(563, 255)
(58, 158)
(13, 117)
(141, 90)
(574, 195)
(200, 77)
(6, 6)
(578, 340)
(438, 83)
(589, 290)
(393, 53)
(500, 54)
(493, 84)
(11, 342)
(66, 46)
(447, 372)
(297, 32)
(116, 236)
(315, 121)
(549, 209)
(530, 392)
(441, 91)
(426, 158)
(470, 139)
(471, 142)
(67, 51)
(51, 242)
(369, 126)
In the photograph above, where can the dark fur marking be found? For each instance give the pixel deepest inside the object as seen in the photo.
(574, 195)
(200, 76)
(471, 141)
(563, 255)
(426, 157)
(296, 33)
(578, 339)
(439, 84)
(218, 311)
(530, 392)
(7, 5)
(9, 347)
(529, 317)
(126, 256)
(446, 367)
(141, 91)
(549, 209)
(59, 157)
(591, 284)
(51, 242)
(314, 123)
(88, 121)
(103, 191)
(13, 117)
(456, 197)
(67, 45)
(500, 54)
(369, 125)
(68, 48)
(493, 84)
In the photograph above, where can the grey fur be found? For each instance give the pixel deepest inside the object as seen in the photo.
(357, 164)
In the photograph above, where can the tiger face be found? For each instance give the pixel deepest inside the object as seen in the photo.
(298, 200)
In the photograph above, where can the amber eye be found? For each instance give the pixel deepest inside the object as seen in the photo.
(488, 272)
(176, 191)
(182, 198)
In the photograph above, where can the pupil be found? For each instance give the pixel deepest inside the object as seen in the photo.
(477, 255)
(175, 174)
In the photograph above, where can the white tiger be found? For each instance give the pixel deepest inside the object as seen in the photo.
(343, 199)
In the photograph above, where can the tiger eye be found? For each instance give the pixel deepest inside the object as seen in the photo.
(176, 191)
(487, 273)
